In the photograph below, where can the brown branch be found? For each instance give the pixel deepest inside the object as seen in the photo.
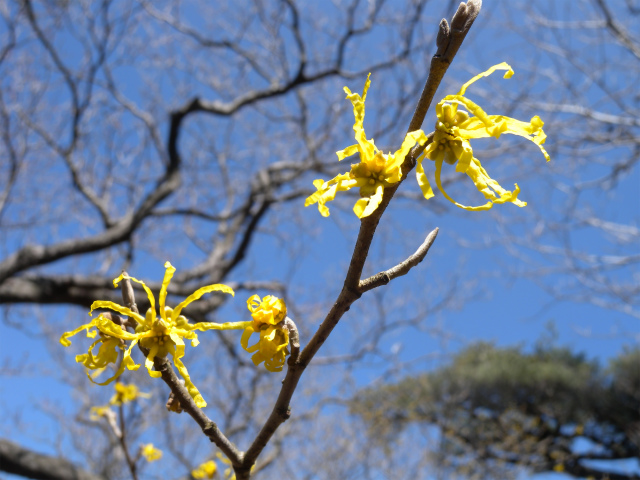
(131, 463)
(383, 278)
(27, 463)
(34, 255)
(209, 428)
(448, 43)
(162, 365)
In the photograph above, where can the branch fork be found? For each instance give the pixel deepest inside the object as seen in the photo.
(449, 40)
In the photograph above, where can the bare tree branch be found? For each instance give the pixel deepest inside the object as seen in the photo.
(26, 463)
(383, 278)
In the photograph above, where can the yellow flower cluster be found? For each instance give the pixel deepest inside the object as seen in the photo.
(161, 335)
(454, 128)
(124, 394)
(150, 453)
(450, 145)
(375, 171)
(209, 469)
(205, 470)
(165, 334)
(268, 320)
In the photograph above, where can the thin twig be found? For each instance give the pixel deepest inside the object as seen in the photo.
(402, 268)
(123, 443)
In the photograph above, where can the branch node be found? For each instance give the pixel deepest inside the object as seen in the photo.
(211, 430)
(285, 412)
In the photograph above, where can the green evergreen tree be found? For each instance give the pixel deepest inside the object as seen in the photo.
(501, 410)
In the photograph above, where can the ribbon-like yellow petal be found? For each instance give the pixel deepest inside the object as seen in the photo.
(202, 326)
(372, 204)
(191, 388)
(168, 275)
(64, 339)
(218, 287)
(148, 362)
(423, 181)
(394, 161)
(117, 308)
(500, 66)
(148, 291)
(347, 152)
(486, 206)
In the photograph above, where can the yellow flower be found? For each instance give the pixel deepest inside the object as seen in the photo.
(270, 310)
(150, 453)
(450, 144)
(373, 174)
(160, 335)
(126, 393)
(96, 413)
(205, 470)
(558, 467)
(268, 320)
(228, 473)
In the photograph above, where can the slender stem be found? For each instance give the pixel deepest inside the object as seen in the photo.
(448, 43)
(163, 365)
(123, 443)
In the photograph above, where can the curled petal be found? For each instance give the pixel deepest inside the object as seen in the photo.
(64, 339)
(486, 206)
(148, 363)
(107, 353)
(485, 184)
(367, 147)
(162, 297)
(488, 185)
(152, 300)
(127, 362)
(494, 126)
(423, 182)
(464, 153)
(105, 325)
(270, 310)
(347, 152)
(197, 294)
(117, 308)
(271, 347)
(395, 160)
(327, 191)
(244, 340)
(500, 66)
(371, 203)
(191, 388)
(253, 302)
(531, 131)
